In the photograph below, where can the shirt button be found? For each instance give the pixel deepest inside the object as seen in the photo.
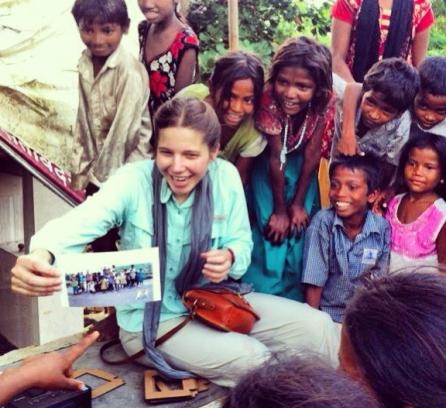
(178, 240)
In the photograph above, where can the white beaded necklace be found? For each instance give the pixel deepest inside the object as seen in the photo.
(285, 150)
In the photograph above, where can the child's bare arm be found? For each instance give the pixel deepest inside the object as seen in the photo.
(312, 295)
(312, 155)
(47, 371)
(340, 40)
(278, 224)
(347, 143)
(186, 70)
(441, 247)
(244, 165)
(419, 46)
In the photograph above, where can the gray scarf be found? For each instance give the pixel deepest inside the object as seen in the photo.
(201, 227)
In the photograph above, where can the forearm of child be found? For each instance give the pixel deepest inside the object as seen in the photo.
(187, 70)
(244, 166)
(277, 179)
(347, 143)
(441, 248)
(419, 46)
(340, 40)
(312, 157)
(312, 295)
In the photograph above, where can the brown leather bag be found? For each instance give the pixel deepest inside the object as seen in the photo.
(221, 308)
(217, 307)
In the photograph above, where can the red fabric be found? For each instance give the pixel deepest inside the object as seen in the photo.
(425, 21)
(163, 68)
(270, 120)
(343, 11)
(347, 10)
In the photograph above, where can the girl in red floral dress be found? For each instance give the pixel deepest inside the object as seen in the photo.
(168, 50)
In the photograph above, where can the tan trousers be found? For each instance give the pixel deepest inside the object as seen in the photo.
(285, 326)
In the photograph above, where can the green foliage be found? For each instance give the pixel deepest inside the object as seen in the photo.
(263, 25)
(437, 42)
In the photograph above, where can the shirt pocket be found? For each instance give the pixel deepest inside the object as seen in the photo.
(137, 233)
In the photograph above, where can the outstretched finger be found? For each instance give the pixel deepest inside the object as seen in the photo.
(75, 351)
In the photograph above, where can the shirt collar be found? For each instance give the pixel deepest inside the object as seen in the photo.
(113, 59)
(368, 228)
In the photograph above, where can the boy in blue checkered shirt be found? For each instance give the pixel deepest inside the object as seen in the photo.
(347, 241)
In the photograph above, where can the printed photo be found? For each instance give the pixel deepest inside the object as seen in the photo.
(110, 278)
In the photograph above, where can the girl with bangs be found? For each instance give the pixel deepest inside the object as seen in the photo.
(296, 117)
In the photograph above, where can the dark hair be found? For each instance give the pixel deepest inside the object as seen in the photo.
(232, 67)
(367, 164)
(298, 383)
(368, 35)
(396, 327)
(101, 11)
(306, 53)
(396, 79)
(190, 113)
(422, 140)
(432, 73)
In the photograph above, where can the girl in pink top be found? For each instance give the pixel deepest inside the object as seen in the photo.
(418, 217)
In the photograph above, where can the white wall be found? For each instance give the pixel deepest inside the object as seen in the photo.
(25, 321)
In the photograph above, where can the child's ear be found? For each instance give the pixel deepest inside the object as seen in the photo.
(372, 196)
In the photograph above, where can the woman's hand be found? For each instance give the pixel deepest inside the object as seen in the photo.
(33, 275)
(217, 265)
(277, 228)
(298, 219)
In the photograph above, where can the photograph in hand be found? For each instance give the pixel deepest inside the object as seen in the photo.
(110, 278)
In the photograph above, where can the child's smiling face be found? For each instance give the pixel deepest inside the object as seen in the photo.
(349, 193)
(429, 109)
(375, 111)
(294, 88)
(157, 11)
(102, 39)
(422, 171)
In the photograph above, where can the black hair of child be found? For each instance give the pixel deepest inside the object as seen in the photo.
(298, 382)
(232, 67)
(396, 326)
(421, 140)
(304, 52)
(368, 164)
(396, 79)
(432, 73)
(101, 11)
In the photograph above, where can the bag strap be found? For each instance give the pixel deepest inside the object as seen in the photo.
(140, 353)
